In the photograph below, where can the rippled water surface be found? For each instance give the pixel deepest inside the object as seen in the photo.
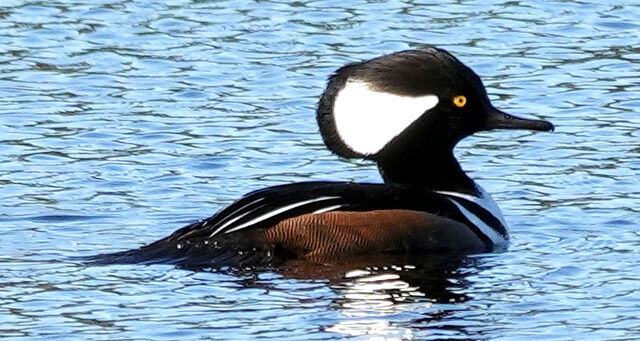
(121, 121)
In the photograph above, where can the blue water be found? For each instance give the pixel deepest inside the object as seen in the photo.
(121, 121)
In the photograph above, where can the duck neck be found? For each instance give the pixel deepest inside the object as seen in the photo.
(435, 169)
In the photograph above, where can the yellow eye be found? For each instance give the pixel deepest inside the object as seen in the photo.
(459, 101)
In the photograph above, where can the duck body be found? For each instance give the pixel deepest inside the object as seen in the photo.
(328, 219)
(404, 111)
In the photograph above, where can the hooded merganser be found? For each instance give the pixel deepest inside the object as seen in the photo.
(405, 111)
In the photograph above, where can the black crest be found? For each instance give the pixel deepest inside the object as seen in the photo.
(428, 70)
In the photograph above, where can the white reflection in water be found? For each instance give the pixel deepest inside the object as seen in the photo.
(380, 290)
(360, 327)
(369, 296)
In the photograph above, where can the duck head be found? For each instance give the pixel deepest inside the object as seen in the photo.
(407, 111)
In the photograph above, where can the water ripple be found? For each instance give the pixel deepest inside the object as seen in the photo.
(124, 120)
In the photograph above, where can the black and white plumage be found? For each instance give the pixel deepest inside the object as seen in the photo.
(405, 111)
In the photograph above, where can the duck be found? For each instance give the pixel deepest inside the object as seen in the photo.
(404, 111)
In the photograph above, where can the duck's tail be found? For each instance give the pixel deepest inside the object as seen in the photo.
(214, 253)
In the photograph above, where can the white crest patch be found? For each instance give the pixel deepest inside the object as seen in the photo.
(367, 120)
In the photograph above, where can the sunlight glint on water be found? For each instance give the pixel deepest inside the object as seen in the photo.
(122, 121)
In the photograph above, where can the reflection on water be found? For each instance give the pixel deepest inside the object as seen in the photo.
(121, 121)
(371, 289)
(388, 277)
(368, 296)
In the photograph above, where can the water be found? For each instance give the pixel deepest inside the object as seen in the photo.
(121, 121)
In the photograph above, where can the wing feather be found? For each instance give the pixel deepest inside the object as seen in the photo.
(233, 235)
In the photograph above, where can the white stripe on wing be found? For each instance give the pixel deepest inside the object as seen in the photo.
(278, 211)
(233, 220)
(492, 234)
(484, 200)
(327, 209)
